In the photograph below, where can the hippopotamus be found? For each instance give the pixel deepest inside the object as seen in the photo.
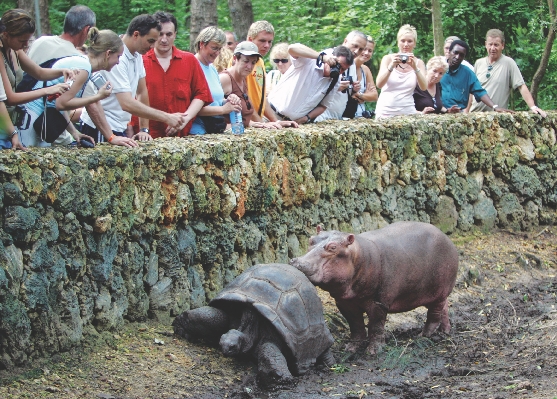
(394, 269)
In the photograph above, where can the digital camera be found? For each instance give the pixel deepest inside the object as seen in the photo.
(335, 71)
(349, 79)
(99, 81)
(403, 57)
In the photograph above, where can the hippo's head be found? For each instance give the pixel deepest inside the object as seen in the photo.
(329, 258)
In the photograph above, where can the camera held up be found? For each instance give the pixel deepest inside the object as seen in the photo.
(349, 79)
(403, 57)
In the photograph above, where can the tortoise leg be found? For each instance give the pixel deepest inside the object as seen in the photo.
(272, 366)
(204, 322)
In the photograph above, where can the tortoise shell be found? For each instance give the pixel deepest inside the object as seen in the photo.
(284, 296)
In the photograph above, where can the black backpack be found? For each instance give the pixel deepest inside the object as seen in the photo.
(28, 82)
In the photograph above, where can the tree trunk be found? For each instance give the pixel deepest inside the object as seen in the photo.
(437, 22)
(203, 14)
(241, 14)
(29, 6)
(538, 76)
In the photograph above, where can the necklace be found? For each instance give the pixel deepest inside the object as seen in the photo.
(401, 67)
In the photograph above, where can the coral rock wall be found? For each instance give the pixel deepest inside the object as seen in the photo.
(94, 238)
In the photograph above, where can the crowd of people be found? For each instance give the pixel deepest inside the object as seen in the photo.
(139, 86)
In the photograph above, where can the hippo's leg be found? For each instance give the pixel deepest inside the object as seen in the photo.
(272, 368)
(437, 316)
(377, 316)
(327, 358)
(355, 318)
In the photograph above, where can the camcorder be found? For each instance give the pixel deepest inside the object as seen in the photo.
(335, 71)
(349, 79)
(403, 57)
(99, 81)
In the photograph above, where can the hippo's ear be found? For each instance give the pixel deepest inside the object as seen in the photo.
(350, 239)
(319, 229)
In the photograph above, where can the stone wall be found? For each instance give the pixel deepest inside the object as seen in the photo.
(94, 238)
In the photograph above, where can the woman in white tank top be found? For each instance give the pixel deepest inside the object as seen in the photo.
(398, 76)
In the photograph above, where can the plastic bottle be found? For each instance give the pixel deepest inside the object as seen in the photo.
(236, 122)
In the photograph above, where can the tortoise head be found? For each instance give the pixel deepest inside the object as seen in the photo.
(233, 343)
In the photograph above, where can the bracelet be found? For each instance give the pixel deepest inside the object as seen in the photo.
(494, 107)
(417, 70)
(111, 137)
(534, 107)
(390, 69)
(144, 130)
(14, 132)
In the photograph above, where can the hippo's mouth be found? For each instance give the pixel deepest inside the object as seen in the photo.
(312, 273)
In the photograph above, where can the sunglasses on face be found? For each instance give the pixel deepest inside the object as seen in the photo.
(489, 69)
(246, 99)
(279, 60)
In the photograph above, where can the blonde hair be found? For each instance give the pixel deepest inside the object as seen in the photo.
(437, 62)
(223, 59)
(260, 26)
(102, 40)
(405, 30)
(209, 34)
(279, 49)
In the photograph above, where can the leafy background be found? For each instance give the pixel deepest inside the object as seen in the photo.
(324, 23)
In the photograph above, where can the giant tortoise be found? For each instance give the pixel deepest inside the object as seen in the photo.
(271, 312)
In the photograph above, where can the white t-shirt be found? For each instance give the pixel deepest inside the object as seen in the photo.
(301, 89)
(340, 100)
(124, 78)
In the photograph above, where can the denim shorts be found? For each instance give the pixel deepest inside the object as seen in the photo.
(5, 144)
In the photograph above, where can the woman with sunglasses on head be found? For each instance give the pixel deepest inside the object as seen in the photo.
(281, 60)
(233, 81)
(16, 29)
(210, 119)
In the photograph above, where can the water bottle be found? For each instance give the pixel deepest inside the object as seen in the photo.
(236, 122)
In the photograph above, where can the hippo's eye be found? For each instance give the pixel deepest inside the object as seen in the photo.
(331, 247)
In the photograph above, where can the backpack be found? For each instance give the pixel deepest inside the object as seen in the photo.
(28, 82)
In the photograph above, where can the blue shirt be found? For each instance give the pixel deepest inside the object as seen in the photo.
(457, 85)
(217, 92)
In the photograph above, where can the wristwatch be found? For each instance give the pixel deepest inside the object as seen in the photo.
(14, 132)
(494, 107)
(144, 130)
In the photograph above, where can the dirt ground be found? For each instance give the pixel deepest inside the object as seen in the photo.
(503, 344)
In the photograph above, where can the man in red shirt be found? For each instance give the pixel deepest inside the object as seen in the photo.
(175, 81)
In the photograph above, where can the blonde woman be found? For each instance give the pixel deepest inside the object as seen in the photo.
(280, 59)
(103, 53)
(223, 59)
(398, 76)
(429, 101)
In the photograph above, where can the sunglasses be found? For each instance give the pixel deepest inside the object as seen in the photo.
(489, 69)
(246, 99)
(279, 60)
